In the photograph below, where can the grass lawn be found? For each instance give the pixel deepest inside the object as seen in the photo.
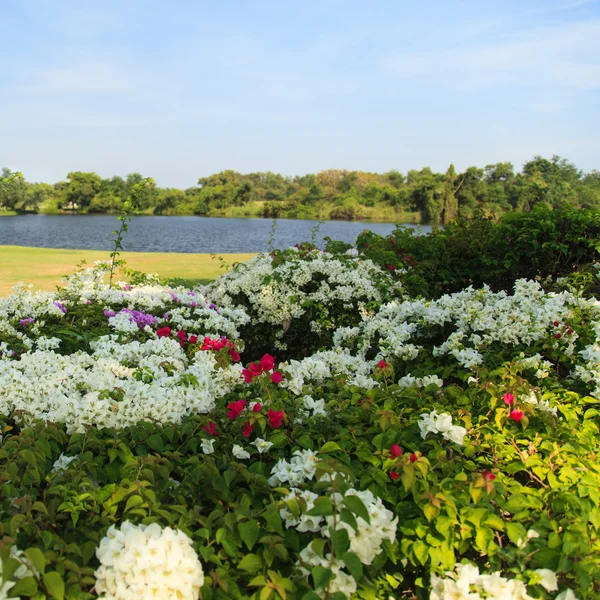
(45, 267)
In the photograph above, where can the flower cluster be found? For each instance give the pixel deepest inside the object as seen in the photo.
(278, 290)
(301, 467)
(145, 561)
(141, 319)
(434, 423)
(467, 582)
(265, 366)
(114, 386)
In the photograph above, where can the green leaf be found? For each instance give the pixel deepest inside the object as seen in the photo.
(356, 505)
(323, 507)
(329, 447)
(133, 501)
(311, 596)
(249, 532)
(251, 563)
(55, 585)
(25, 587)
(340, 539)
(274, 520)
(321, 576)
(353, 564)
(347, 517)
(515, 532)
(421, 551)
(36, 558)
(156, 443)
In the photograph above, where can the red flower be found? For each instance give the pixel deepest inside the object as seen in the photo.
(557, 336)
(247, 375)
(395, 451)
(257, 407)
(193, 339)
(382, 364)
(508, 398)
(275, 418)
(390, 267)
(276, 377)
(255, 369)
(235, 356)
(248, 427)
(211, 428)
(182, 335)
(394, 475)
(555, 323)
(516, 415)
(163, 332)
(235, 409)
(413, 457)
(488, 476)
(267, 362)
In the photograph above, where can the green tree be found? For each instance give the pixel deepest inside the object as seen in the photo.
(82, 189)
(36, 194)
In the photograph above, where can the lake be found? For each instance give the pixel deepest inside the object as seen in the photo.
(175, 234)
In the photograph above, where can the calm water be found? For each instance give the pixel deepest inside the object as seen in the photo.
(174, 234)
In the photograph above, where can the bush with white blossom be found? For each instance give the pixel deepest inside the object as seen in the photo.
(300, 429)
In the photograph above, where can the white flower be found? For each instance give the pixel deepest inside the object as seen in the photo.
(145, 561)
(547, 579)
(261, 445)
(62, 462)
(566, 595)
(239, 452)
(208, 446)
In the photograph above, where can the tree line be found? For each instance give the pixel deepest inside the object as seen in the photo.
(421, 196)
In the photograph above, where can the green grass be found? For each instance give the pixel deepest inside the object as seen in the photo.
(45, 267)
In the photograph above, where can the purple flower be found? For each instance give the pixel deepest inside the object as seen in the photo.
(139, 318)
(61, 306)
(27, 321)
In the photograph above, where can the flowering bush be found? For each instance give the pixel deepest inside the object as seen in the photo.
(296, 298)
(156, 443)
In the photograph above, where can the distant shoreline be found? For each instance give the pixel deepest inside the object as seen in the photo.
(402, 218)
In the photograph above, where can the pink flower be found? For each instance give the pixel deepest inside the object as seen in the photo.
(275, 418)
(488, 476)
(413, 457)
(257, 407)
(516, 415)
(193, 339)
(395, 451)
(508, 398)
(247, 430)
(235, 409)
(235, 356)
(163, 332)
(382, 364)
(394, 475)
(182, 335)
(267, 362)
(211, 428)
(276, 377)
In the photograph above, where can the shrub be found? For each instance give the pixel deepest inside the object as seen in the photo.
(544, 243)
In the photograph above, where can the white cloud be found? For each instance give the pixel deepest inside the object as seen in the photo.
(565, 56)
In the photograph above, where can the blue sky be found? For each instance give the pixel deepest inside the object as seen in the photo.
(181, 89)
